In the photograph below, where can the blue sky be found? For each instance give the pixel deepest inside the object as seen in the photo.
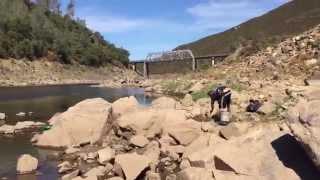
(144, 26)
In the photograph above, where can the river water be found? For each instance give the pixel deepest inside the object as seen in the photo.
(39, 104)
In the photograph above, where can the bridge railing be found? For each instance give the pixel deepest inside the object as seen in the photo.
(178, 55)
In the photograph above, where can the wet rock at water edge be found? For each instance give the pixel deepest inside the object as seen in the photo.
(78, 129)
(21, 114)
(2, 122)
(27, 164)
(2, 117)
(6, 129)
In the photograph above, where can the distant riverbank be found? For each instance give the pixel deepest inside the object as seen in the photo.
(42, 72)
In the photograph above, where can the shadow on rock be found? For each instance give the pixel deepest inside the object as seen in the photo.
(293, 156)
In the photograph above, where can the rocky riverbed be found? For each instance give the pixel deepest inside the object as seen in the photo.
(177, 140)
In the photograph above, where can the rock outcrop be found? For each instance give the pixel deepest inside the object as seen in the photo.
(155, 143)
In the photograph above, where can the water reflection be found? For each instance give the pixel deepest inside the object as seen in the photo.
(44, 102)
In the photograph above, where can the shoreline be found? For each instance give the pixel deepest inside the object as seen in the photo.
(56, 84)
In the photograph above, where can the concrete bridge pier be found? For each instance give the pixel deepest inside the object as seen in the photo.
(213, 61)
(134, 67)
(194, 64)
(145, 70)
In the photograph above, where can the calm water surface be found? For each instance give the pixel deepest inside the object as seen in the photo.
(40, 103)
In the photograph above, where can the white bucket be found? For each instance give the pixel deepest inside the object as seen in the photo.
(224, 116)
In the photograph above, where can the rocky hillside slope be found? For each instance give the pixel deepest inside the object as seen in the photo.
(296, 56)
(30, 30)
(290, 19)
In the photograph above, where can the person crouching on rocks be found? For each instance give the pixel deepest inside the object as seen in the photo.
(222, 95)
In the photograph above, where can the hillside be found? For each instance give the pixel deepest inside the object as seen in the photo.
(30, 31)
(289, 19)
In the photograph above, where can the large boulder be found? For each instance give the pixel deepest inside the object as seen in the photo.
(202, 142)
(184, 132)
(235, 155)
(304, 122)
(138, 121)
(86, 122)
(150, 121)
(27, 164)
(132, 164)
(164, 103)
(124, 105)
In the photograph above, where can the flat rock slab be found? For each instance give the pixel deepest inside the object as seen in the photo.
(132, 164)
(139, 141)
(229, 131)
